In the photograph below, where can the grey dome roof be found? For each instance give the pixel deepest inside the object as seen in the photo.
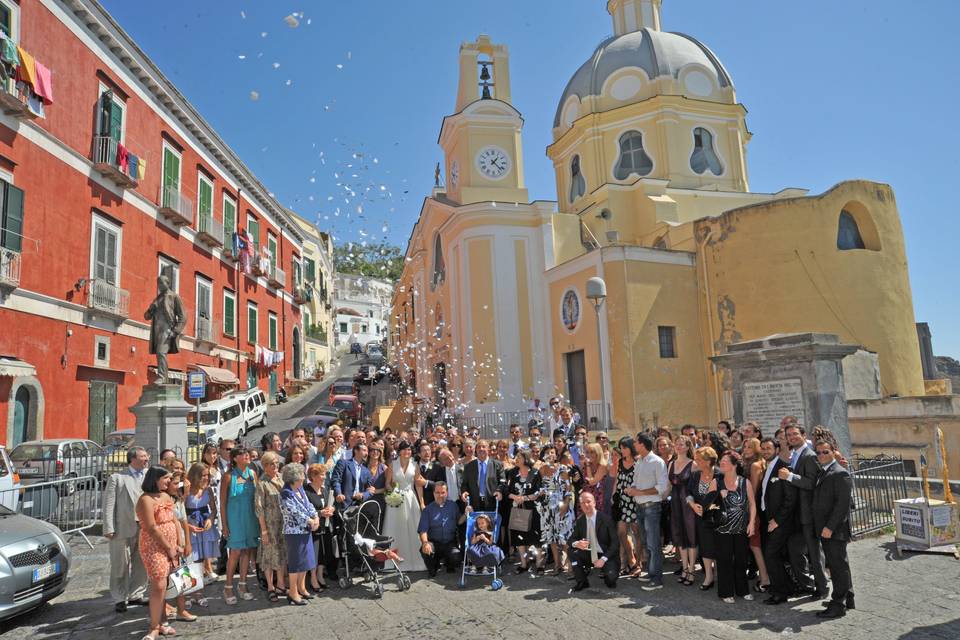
(659, 53)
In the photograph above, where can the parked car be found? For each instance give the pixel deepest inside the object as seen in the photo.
(223, 419)
(57, 459)
(119, 442)
(311, 423)
(254, 407)
(351, 405)
(342, 387)
(364, 374)
(9, 482)
(36, 561)
(333, 413)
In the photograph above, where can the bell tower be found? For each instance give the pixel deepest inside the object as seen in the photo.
(482, 141)
(633, 15)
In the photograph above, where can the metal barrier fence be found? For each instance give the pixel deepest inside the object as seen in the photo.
(877, 484)
(73, 505)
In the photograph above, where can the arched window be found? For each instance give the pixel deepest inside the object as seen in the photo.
(439, 268)
(633, 159)
(578, 185)
(704, 155)
(848, 233)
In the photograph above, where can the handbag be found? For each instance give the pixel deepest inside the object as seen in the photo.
(713, 513)
(184, 580)
(521, 519)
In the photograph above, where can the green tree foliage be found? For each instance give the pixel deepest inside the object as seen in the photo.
(378, 260)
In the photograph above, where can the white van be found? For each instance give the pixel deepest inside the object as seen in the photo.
(223, 419)
(9, 482)
(254, 407)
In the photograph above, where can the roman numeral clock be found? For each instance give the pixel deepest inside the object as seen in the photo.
(493, 162)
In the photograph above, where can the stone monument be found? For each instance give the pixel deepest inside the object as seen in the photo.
(162, 412)
(798, 374)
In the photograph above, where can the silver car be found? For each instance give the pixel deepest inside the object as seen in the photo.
(34, 563)
(58, 459)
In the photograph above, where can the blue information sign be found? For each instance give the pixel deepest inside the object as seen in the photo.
(197, 384)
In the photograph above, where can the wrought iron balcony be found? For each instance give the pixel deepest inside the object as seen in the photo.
(205, 331)
(302, 294)
(210, 231)
(277, 278)
(105, 160)
(175, 207)
(13, 101)
(9, 268)
(108, 299)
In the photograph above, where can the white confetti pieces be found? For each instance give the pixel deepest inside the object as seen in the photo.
(292, 21)
(254, 95)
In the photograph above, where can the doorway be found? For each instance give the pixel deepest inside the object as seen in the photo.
(576, 381)
(103, 410)
(21, 417)
(296, 353)
(273, 384)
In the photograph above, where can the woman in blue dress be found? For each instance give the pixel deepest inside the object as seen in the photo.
(300, 518)
(202, 518)
(240, 526)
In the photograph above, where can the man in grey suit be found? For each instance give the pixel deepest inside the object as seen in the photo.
(128, 578)
(802, 474)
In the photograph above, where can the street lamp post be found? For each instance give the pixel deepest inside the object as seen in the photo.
(596, 294)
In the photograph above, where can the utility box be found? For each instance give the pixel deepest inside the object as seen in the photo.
(927, 526)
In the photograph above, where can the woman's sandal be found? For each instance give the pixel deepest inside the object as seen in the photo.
(231, 600)
(166, 630)
(186, 618)
(761, 588)
(688, 579)
(244, 594)
(273, 597)
(153, 634)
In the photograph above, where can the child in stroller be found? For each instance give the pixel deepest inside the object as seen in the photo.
(377, 547)
(482, 552)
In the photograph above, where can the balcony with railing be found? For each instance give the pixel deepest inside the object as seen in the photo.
(276, 277)
(302, 294)
(175, 207)
(108, 298)
(9, 268)
(206, 331)
(112, 160)
(14, 100)
(210, 231)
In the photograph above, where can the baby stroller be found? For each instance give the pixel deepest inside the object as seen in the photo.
(468, 568)
(361, 542)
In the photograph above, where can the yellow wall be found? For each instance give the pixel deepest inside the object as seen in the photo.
(775, 268)
(584, 337)
(486, 371)
(523, 317)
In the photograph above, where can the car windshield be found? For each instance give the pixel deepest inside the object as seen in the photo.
(209, 417)
(342, 387)
(34, 452)
(343, 404)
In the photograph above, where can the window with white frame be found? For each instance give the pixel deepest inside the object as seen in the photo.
(252, 322)
(204, 318)
(170, 268)
(170, 187)
(633, 158)
(272, 331)
(101, 351)
(10, 19)
(111, 112)
(229, 313)
(704, 154)
(204, 202)
(105, 251)
(229, 216)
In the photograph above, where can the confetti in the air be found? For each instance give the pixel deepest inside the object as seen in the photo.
(254, 95)
(292, 21)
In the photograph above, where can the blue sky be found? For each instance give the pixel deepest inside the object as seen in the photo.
(835, 90)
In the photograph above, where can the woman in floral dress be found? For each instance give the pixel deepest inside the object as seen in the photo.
(272, 552)
(555, 506)
(158, 544)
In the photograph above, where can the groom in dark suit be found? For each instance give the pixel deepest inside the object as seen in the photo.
(593, 545)
(483, 480)
(351, 478)
(777, 502)
(831, 520)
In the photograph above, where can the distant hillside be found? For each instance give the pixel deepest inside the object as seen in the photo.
(949, 368)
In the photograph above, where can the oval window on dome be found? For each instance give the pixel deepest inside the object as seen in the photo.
(698, 83)
(625, 87)
(633, 158)
(704, 156)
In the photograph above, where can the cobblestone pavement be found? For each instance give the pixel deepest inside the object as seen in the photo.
(914, 598)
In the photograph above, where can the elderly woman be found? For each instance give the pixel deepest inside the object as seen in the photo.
(300, 519)
(699, 499)
(271, 555)
(324, 546)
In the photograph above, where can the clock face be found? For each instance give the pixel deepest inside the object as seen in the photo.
(454, 174)
(493, 162)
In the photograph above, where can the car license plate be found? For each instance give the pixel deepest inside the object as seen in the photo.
(47, 570)
(29, 471)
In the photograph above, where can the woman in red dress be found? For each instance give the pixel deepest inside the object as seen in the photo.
(159, 544)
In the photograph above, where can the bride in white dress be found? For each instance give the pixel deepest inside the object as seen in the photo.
(401, 522)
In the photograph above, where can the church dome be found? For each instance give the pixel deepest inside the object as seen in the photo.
(659, 54)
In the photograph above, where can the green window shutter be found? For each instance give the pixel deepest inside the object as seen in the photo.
(228, 315)
(310, 268)
(11, 231)
(229, 218)
(206, 198)
(252, 325)
(253, 226)
(171, 170)
(273, 333)
(116, 120)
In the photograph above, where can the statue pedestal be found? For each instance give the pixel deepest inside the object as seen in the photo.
(797, 374)
(162, 419)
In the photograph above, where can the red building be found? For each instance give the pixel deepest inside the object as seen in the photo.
(119, 180)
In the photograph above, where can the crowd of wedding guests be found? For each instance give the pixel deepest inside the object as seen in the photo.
(741, 512)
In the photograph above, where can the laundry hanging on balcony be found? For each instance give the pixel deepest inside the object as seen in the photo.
(22, 77)
(267, 358)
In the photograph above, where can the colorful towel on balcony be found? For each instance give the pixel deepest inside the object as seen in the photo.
(123, 158)
(141, 169)
(8, 51)
(133, 162)
(44, 84)
(27, 71)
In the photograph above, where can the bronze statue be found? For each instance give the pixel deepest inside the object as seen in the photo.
(167, 321)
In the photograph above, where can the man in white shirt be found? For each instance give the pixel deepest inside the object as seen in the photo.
(650, 486)
(593, 544)
(517, 444)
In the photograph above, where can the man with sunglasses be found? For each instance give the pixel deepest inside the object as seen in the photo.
(831, 519)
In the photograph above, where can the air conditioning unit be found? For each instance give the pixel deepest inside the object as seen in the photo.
(613, 237)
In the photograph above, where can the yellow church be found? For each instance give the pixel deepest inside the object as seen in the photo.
(653, 196)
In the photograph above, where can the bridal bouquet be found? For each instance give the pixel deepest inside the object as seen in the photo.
(394, 497)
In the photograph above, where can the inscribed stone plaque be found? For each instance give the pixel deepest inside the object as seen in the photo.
(768, 402)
